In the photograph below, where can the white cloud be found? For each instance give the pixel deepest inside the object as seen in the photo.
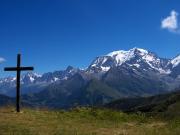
(2, 60)
(171, 22)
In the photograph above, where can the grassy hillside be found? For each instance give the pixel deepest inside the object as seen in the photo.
(84, 121)
(165, 103)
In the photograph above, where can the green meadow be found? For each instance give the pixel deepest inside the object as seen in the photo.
(85, 121)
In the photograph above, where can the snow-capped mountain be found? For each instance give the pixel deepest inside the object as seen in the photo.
(29, 77)
(175, 61)
(119, 74)
(135, 57)
(127, 73)
(174, 66)
(33, 82)
(52, 77)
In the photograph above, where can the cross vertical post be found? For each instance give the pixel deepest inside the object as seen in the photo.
(18, 69)
(18, 83)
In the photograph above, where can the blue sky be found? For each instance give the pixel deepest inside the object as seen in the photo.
(52, 34)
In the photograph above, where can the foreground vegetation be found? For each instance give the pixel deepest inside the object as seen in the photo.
(85, 121)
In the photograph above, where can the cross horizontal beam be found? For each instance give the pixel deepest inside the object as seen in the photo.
(18, 68)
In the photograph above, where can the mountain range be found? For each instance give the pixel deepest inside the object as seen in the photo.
(119, 74)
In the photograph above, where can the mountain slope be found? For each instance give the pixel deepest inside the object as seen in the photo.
(75, 91)
(133, 81)
(160, 103)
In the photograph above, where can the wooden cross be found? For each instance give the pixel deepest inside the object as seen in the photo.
(18, 69)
